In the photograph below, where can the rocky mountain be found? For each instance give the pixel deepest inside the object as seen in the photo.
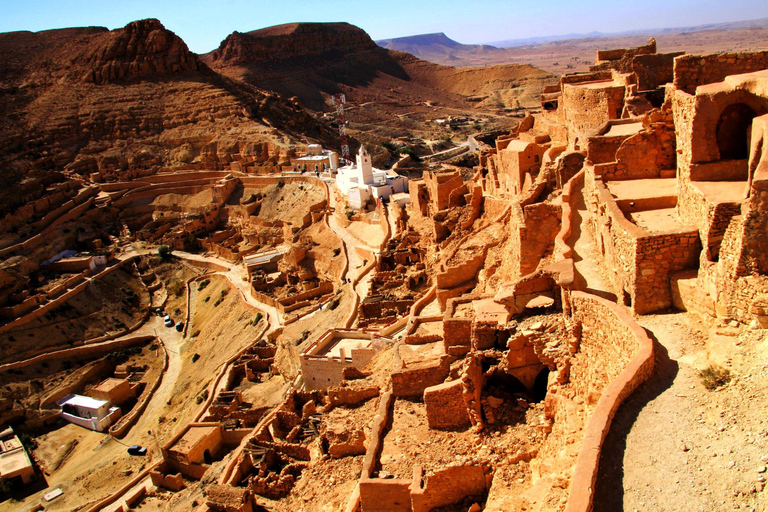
(126, 102)
(304, 60)
(314, 60)
(439, 48)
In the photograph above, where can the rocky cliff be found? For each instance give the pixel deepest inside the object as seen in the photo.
(128, 102)
(304, 59)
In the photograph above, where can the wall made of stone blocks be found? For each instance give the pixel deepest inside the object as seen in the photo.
(445, 406)
(658, 257)
(587, 109)
(654, 70)
(447, 486)
(378, 495)
(615, 356)
(690, 71)
(412, 381)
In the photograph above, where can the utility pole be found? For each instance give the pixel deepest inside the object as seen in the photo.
(339, 100)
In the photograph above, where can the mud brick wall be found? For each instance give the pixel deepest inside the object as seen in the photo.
(654, 70)
(408, 382)
(440, 186)
(586, 109)
(350, 396)
(615, 356)
(453, 276)
(457, 335)
(691, 71)
(537, 236)
(377, 495)
(446, 486)
(658, 257)
(173, 482)
(445, 406)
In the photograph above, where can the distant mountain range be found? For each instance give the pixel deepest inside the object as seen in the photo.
(438, 48)
(732, 25)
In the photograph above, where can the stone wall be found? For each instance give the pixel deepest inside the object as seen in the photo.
(446, 486)
(614, 357)
(411, 381)
(587, 108)
(654, 70)
(641, 262)
(445, 406)
(694, 70)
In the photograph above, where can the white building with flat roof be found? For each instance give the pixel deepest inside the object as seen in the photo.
(316, 159)
(91, 413)
(15, 464)
(361, 181)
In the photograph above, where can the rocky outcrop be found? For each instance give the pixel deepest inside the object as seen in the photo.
(304, 59)
(142, 49)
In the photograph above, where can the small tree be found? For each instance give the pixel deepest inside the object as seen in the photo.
(164, 252)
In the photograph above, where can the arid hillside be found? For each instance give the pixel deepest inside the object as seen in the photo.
(117, 102)
(313, 61)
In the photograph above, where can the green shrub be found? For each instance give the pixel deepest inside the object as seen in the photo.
(164, 252)
(715, 376)
(336, 251)
(201, 286)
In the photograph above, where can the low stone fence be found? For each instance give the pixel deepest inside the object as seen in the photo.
(605, 323)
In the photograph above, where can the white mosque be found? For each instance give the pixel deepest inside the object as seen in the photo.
(362, 182)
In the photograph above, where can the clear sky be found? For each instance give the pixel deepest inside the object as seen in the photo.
(203, 25)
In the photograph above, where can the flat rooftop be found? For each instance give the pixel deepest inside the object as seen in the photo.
(82, 401)
(643, 189)
(333, 348)
(722, 191)
(664, 219)
(624, 129)
(14, 462)
(599, 84)
(193, 437)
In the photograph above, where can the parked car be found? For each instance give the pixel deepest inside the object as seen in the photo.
(168, 321)
(179, 326)
(137, 450)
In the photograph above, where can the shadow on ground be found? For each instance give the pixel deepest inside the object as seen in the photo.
(609, 488)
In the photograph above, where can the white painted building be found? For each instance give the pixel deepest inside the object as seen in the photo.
(316, 159)
(88, 412)
(361, 182)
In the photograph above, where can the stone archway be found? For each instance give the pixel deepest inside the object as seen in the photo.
(732, 131)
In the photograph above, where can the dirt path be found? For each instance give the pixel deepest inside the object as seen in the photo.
(172, 341)
(674, 445)
(588, 277)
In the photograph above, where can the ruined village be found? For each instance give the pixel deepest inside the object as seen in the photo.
(237, 303)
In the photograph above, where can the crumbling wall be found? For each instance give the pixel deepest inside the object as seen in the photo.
(694, 70)
(446, 486)
(614, 357)
(445, 406)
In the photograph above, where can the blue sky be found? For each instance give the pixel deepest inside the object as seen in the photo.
(203, 25)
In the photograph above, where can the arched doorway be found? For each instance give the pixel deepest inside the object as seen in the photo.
(539, 391)
(207, 457)
(505, 382)
(732, 131)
